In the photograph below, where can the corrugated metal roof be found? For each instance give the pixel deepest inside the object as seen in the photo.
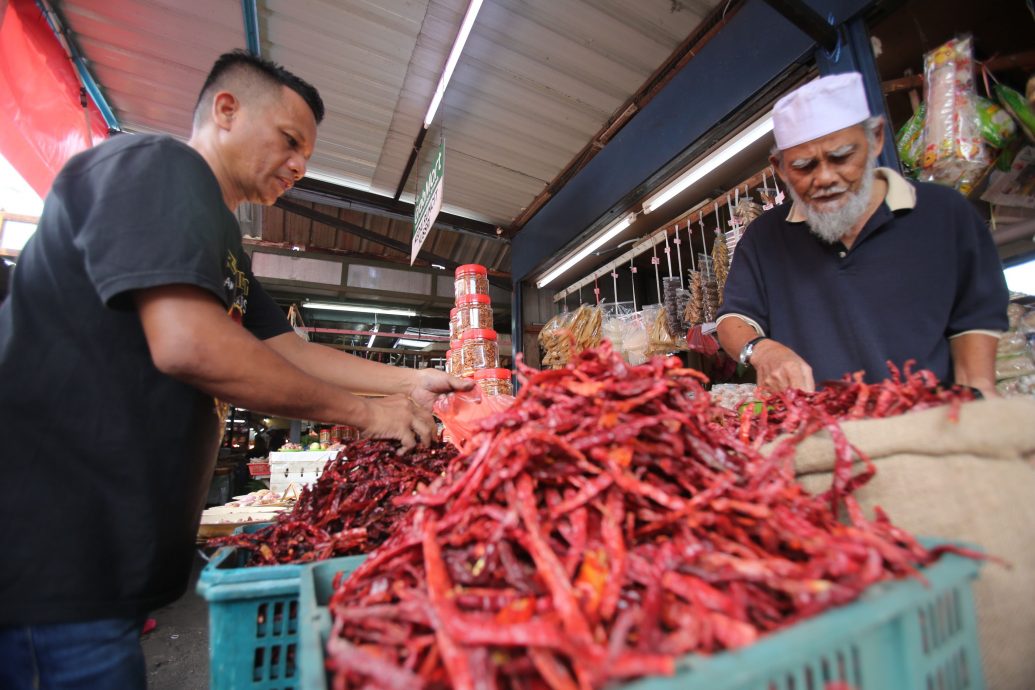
(537, 80)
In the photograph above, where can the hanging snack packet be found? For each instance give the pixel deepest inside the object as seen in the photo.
(954, 153)
(910, 140)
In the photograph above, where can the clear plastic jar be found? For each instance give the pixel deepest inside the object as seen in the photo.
(454, 324)
(479, 350)
(494, 381)
(453, 367)
(473, 311)
(470, 279)
(449, 361)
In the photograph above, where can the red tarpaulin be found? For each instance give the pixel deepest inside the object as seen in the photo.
(42, 122)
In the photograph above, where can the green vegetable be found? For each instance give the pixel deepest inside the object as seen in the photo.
(1018, 107)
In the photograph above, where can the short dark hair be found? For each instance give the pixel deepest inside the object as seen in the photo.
(242, 62)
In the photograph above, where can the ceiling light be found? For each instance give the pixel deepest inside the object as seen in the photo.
(331, 306)
(711, 162)
(587, 250)
(373, 335)
(406, 342)
(454, 56)
(438, 266)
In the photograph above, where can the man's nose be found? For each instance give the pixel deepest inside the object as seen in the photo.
(824, 175)
(297, 167)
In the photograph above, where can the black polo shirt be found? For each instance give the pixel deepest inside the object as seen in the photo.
(923, 270)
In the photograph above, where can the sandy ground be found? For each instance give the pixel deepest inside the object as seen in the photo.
(177, 650)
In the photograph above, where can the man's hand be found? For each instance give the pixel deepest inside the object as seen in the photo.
(779, 367)
(431, 383)
(397, 417)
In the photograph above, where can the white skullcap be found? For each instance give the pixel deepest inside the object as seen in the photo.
(819, 108)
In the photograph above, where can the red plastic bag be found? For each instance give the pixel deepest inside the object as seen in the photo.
(462, 413)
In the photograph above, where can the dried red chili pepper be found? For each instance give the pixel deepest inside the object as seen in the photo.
(350, 508)
(611, 520)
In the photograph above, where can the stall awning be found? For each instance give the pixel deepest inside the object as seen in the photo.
(45, 119)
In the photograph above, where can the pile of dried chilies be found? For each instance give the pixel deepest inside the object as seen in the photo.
(606, 524)
(349, 509)
(851, 398)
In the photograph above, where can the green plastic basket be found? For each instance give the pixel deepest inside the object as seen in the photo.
(899, 635)
(252, 620)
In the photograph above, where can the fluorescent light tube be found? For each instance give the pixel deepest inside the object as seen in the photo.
(587, 250)
(405, 342)
(716, 159)
(373, 334)
(454, 56)
(331, 306)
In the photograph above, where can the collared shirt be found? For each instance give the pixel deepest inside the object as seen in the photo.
(923, 269)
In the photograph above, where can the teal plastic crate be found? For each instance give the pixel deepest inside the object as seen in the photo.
(253, 619)
(899, 635)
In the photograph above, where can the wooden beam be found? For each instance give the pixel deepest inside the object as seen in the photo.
(1023, 61)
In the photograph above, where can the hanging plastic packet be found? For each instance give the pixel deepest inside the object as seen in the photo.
(954, 153)
(910, 141)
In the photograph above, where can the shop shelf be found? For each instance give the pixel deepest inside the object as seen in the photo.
(253, 621)
(900, 634)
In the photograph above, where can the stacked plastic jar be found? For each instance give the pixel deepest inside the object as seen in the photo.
(494, 381)
(454, 324)
(479, 349)
(453, 358)
(473, 311)
(470, 279)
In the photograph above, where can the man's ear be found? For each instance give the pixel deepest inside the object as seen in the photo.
(224, 107)
(775, 162)
(878, 137)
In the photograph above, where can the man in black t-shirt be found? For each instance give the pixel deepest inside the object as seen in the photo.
(135, 320)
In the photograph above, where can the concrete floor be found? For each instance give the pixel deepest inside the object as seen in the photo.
(177, 650)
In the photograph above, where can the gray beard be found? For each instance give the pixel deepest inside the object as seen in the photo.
(831, 226)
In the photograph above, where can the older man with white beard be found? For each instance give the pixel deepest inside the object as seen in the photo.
(865, 267)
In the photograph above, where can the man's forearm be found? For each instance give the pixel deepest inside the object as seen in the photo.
(973, 360)
(734, 333)
(342, 369)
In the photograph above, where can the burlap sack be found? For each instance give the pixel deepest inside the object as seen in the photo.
(973, 481)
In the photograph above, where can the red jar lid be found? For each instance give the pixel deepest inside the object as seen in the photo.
(486, 333)
(470, 268)
(452, 312)
(463, 300)
(454, 344)
(492, 374)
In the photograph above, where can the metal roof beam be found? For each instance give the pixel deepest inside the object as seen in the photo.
(331, 194)
(57, 25)
(371, 236)
(251, 26)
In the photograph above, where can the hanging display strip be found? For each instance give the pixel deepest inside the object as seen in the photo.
(760, 179)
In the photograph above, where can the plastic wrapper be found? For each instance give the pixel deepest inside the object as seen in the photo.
(910, 140)
(733, 395)
(1013, 367)
(1020, 386)
(659, 340)
(693, 313)
(556, 341)
(1021, 110)
(613, 323)
(462, 413)
(1011, 344)
(997, 127)
(954, 152)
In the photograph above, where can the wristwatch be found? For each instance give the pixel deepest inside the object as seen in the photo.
(749, 349)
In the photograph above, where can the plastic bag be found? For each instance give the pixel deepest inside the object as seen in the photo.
(910, 140)
(462, 414)
(555, 340)
(954, 152)
(613, 326)
(997, 127)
